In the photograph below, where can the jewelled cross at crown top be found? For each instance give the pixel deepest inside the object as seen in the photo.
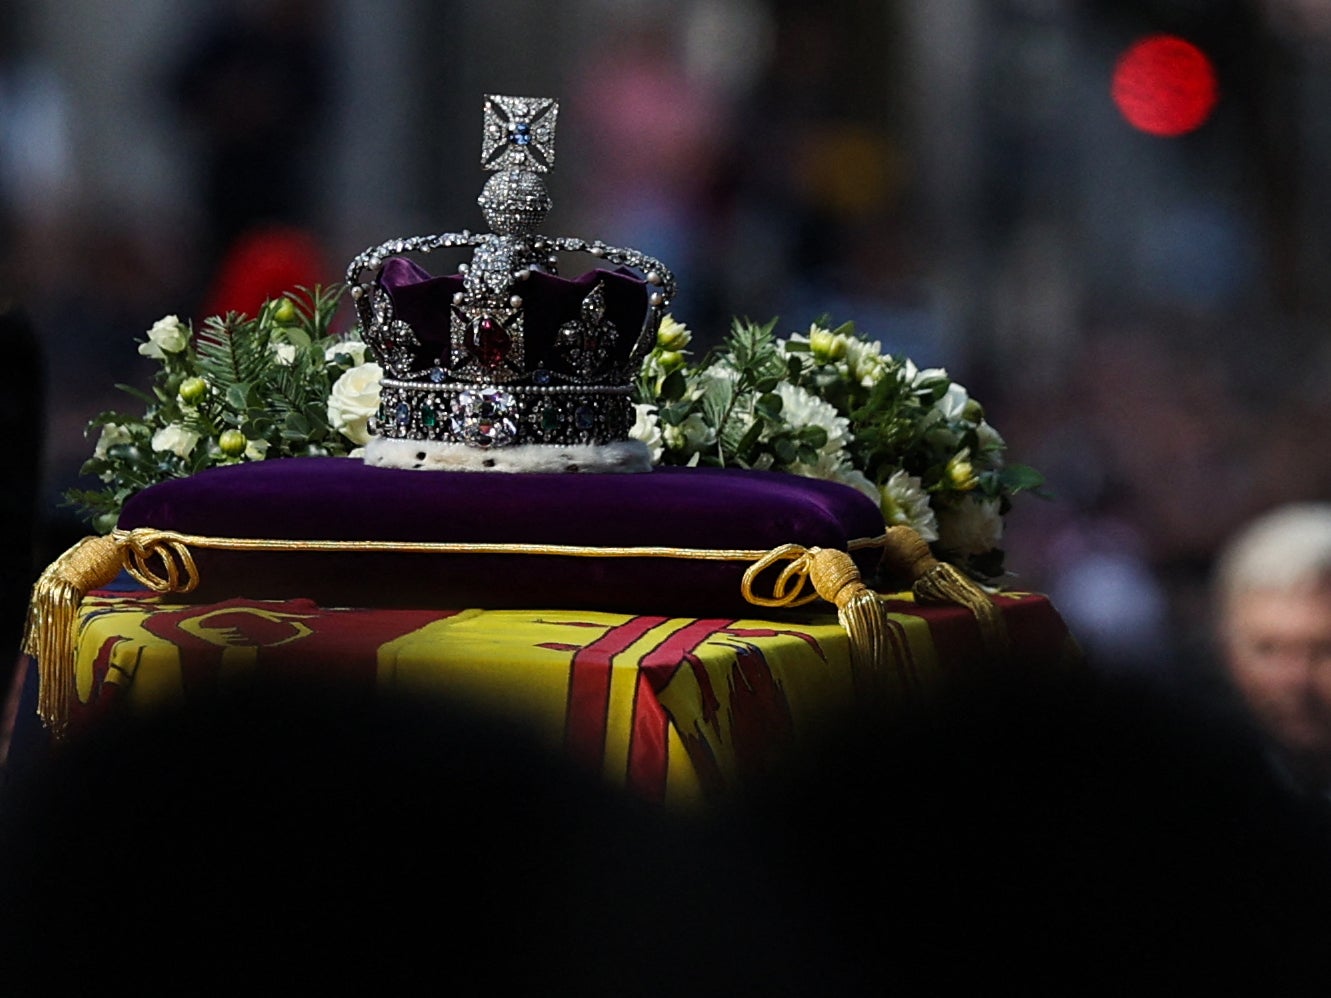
(519, 133)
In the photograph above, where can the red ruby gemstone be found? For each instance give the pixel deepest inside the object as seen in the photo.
(490, 341)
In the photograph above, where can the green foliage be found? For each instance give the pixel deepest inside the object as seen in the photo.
(831, 404)
(268, 376)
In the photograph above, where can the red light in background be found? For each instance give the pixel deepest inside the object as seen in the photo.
(1164, 85)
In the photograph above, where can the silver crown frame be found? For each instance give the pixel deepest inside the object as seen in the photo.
(483, 395)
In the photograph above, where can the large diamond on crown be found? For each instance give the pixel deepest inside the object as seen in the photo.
(485, 417)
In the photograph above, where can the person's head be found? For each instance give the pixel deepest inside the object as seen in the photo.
(1273, 597)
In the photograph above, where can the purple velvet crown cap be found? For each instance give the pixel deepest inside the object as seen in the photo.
(425, 304)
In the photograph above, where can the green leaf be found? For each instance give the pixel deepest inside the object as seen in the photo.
(674, 386)
(238, 395)
(813, 436)
(769, 406)
(1019, 477)
(750, 438)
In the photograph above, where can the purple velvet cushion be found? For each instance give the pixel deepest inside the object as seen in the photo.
(343, 499)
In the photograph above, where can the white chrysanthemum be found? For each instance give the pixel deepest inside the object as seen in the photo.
(905, 503)
(800, 408)
(865, 363)
(176, 439)
(971, 526)
(353, 400)
(354, 349)
(167, 335)
(647, 428)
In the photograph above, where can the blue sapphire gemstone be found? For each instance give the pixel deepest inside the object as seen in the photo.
(403, 414)
(540, 376)
(522, 133)
(584, 417)
(437, 375)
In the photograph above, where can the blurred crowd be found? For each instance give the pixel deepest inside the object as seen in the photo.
(1142, 317)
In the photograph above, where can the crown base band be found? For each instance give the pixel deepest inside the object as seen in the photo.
(490, 417)
(621, 457)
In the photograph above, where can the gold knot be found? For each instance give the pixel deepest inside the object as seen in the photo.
(139, 548)
(831, 573)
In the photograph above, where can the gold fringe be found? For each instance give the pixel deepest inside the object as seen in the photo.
(834, 578)
(49, 635)
(860, 611)
(907, 557)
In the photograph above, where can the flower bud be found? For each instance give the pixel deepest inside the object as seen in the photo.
(961, 472)
(825, 345)
(232, 443)
(192, 390)
(670, 360)
(672, 335)
(284, 312)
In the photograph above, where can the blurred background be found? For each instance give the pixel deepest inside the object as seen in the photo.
(1132, 280)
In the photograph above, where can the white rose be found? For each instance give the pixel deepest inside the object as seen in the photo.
(647, 428)
(354, 349)
(917, 378)
(971, 526)
(953, 403)
(353, 400)
(167, 335)
(113, 435)
(176, 439)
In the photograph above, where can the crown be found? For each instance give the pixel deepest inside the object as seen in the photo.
(505, 364)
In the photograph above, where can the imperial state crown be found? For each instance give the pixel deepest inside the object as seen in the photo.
(505, 365)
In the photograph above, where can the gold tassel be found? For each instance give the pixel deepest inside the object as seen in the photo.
(859, 609)
(836, 579)
(907, 556)
(49, 635)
